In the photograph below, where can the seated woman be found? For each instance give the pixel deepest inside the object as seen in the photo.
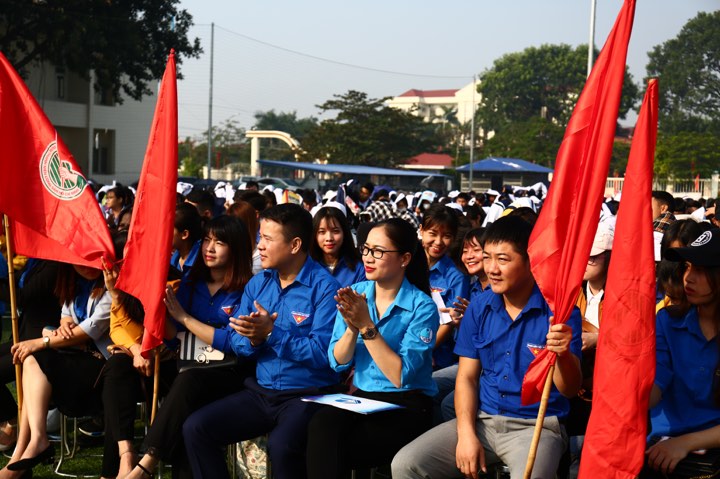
(203, 303)
(70, 378)
(334, 247)
(685, 399)
(385, 328)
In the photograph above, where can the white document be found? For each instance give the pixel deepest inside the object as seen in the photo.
(657, 238)
(444, 317)
(352, 403)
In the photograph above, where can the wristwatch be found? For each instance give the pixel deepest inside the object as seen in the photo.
(46, 342)
(370, 333)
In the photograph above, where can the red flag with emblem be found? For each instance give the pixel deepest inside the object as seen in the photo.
(625, 360)
(147, 252)
(562, 237)
(53, 212)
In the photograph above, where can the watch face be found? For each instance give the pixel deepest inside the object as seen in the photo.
(370, 333)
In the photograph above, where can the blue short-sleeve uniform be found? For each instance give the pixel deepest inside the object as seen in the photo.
(685, 369)
(294, 356)
(476, 289)
(447, 280)
(408, 326)
(189, 261)
(345, 275)
(506, 348)
(214, 310)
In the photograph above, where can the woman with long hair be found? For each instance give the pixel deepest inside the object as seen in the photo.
(685, 399)
(203, 304)
(385, 328)
(334, 246)
(246, 213)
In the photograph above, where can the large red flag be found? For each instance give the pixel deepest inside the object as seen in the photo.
(625, 361)
(43, 192)
(562, 237)
(147, 252)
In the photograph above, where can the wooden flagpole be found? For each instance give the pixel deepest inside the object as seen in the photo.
(156, 384)
(13, 311)
(539, 423)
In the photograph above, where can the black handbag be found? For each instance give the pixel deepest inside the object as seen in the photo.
(698, 466)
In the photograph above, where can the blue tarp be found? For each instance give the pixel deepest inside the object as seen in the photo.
(505, 165)
(348, 169)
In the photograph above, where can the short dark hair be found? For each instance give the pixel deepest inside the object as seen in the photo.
(664, 198)
(296, 222)
(441, 215)
(370, 186)
(256, 199)
(463, 195)
(510, 229)
(188, 218)
(204, 200)
(382, 192)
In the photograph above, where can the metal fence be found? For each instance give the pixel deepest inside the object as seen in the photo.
(697, 188)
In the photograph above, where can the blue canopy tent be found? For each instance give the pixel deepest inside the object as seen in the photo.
(328, 176)
(496, 172)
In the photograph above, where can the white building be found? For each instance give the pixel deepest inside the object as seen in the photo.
(433, 105)
(108, 140)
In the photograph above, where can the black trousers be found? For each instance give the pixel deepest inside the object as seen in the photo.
(340, 440)
(191, 390)
(123, 388)
(8, 406)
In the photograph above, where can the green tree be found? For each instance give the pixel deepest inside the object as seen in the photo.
(543, 81)
(288, 122)
(125, 43)
(688, 67)
(535, 140)
(367, 131)
(686, 154)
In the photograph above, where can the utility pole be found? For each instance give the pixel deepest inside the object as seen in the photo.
(209, 134)
(472, 132)
(591, 43)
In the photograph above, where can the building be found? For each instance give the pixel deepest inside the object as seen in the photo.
(107, 139)
(434, 105)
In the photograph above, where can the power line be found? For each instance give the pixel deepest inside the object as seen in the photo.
(335, 62)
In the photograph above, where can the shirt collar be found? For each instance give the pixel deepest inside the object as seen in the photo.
(535, 301)
(403, 299)
(304, 277)
(442, 264)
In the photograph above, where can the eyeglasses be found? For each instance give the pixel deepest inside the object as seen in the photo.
(376, 253)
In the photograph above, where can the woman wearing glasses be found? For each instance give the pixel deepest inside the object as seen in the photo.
(385, 328)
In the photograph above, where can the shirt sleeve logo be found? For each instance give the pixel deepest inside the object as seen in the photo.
(228, 309)
(299, 317)
(535, 349)
(437, 289)
(426, 335)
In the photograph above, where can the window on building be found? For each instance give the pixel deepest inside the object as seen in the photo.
(104, 152)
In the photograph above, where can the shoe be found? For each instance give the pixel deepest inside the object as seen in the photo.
(45, 457)
(93, 427)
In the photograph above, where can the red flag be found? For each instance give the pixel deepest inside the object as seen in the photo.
(42, 190)
(147, 252)
(625, 361)
(562, 237)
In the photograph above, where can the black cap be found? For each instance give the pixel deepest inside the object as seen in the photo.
(704, 251)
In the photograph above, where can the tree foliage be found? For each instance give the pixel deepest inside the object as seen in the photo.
(288, 122)
(686, 154)
(543, 81)
(535, 140)
(125, 43)
(367, 131)
(230, 147)
(688, 67)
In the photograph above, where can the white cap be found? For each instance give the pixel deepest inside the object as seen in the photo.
(492, 192)
(603, 238)
(329, 195)
(455, 206)
(453, 194)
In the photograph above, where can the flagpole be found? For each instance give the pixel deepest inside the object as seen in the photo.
(539, 423)
(156, 385)
(13, 311)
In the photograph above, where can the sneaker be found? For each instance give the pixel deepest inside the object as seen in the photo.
(92, 427)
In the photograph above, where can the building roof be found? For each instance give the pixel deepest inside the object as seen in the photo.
(505, 165)
(431, 159)
(346, 169)
(429, 93)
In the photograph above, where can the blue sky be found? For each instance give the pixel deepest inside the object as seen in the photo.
(435, 45)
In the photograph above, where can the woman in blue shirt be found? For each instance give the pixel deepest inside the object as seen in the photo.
(385, 328)
(334, 248)
(438, 231)
(685, 399)
(203, 305)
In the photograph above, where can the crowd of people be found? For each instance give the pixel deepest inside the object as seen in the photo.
(420, 301)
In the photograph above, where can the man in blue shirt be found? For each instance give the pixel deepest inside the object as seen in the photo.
(500, 335)
(284, 322)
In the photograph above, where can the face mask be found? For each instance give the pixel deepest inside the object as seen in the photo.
(402, 210)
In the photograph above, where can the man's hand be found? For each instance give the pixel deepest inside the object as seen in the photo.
(257, 326)
(589, 341)
(470, 456)
(558, 339)
(665, 455)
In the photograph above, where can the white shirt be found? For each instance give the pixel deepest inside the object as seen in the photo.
(593, 306)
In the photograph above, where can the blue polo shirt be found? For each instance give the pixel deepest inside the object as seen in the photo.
(506, 348)
(189, 261)
(685, 367)
(345, 275)
(477, 289)
(447, 280)
(294, 356)
(408, 326)
(214, 309)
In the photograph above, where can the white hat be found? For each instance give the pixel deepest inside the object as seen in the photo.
(399, 198)
(603, 238)
(329, 195)
(455, 206)
(492, 192)
(453, 194)
(182, 188)
(335, 204)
